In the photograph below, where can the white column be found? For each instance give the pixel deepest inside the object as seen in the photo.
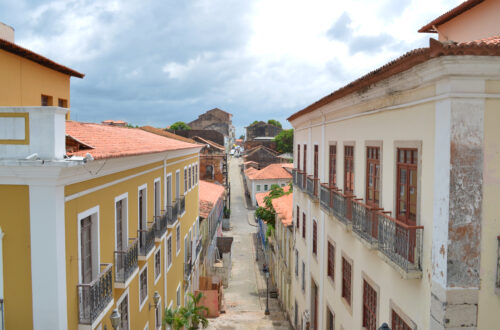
(48, 257)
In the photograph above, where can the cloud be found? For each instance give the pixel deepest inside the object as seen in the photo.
(341, 29)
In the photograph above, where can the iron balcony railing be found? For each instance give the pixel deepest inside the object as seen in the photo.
(198, 247)
(294, 176)
(400, 242)
(126, 261)
(324, 197)
(187, 268)
(312, 185)
(365, 221)
(93, 297)
(341, 206)
(161, 223)
(300, 180)
(175, 210)
(146, 239)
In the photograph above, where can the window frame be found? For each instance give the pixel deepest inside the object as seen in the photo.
(169, 251)
(369, 311)
(332, 165)
(413, 166)
(143, 302)
(315, 238)
(330, 262)
(373, 156)
(349, 171)
(298, 156)
(304, 222)
(157, 268)
(298, 218)
(177, 239)
(346, 291)
(178, 295)
(316, 162)
(185, 181)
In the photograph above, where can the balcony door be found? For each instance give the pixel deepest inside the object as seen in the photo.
(169, 190)
(177, 185)
(86, 249)
(157, 198)
(121, 229)
(142, 216)
(123, 310)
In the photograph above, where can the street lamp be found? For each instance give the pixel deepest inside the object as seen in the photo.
(156, 300)
(384, 326)
(267, 292)
(115, 319)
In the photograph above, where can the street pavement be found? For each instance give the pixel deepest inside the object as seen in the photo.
(245, 297)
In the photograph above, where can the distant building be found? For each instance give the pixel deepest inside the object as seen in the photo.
(261, 180)
(207, 134)
(261, 133)
(119, 123)
(261, 155)
(218, 120)
(213, 162)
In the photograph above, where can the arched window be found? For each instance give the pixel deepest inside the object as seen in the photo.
(209, 172)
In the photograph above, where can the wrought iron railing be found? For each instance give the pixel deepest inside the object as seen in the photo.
(365, 221)
(187, 268)
(198, 247)
(300, 180)
(342, 206)
(294, 176)
(93, 297)
(126, 261)
(324, 197)
(161, 224)
(400, 242)
(146, 239)
(312, 184)
(175, 210)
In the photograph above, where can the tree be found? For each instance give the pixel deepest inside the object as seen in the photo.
(268, 213)
(179, 126)
(274, 123)
(189, 316)
(284, 140)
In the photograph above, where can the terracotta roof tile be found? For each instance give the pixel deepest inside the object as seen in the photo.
(205, 141)
(273, 171)
(259, 197)
(284, 208)
(449, 15)
(209, 194)
(167, 134)
(114, 141)
(32, 56)
(491, 47)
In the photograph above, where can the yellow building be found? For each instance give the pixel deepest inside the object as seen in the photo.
(396, 186)
(93, 217)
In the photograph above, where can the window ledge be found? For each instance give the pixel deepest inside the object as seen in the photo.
(410, 275)
(125, 285)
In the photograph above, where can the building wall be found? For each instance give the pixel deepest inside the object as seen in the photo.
(253, 186)
(16, 256)
(23, 82)
(477, 23)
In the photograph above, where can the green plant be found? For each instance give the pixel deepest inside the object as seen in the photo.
(189, 316)
(227, 212)
(284, 141)
(174, 318)
(274, 122)
(179, 126)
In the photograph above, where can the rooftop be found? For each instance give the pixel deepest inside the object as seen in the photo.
(273, 171)
(259, 197)
(284, 208)
(209, 194)
(167, 134)
(449, 15)
(105, 141)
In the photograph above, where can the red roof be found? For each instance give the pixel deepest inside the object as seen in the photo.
(114, 141)
(162, 132)
(259, 197)
(32, 56)
(449, 15)
(404, 63)
(273, 171)
(209, 194)
(284, 208)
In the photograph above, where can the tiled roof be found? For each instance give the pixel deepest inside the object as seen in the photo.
(449, 15)
(167, 134)
(209, 194)
(284, 208)
(114, 141)
(259, 197)
(257, 148)
(273, 171)
(404, 63)
(32, 56)
(213, 144)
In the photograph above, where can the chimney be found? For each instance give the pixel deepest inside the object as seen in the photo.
(6, 32)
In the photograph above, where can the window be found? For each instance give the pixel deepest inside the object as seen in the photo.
(123, 310)
(121, 224)
(142, 205)
(158, 316)
(169, 251)
(303, 276)
(157, 198)
(177, 185)
(296, 262)
(303, 225)
(346, 280)
(209, 172)
(331, 261)
(298, 157)
(369, 307)
(258, 187)
(315, 238)
(62, 103)
(46, 100)
(178, 238)
(305, 160)
(185, 180)
(157, 264)
(298, 218)
(332, 171)
(348, 169)
(296, 315)
(372, 176)
(189, 177)
(315, 161)
(266, 187)
(143, 286)
(196, 172)
(178, 296)
(330, 319)
(398, 323)
(407, 187)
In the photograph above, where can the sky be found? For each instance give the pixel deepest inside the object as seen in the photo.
(157, 62)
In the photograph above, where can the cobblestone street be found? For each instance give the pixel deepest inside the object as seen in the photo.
(245, 298)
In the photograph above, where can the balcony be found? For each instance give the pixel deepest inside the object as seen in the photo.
(312, 185)
(294, 176)
(341, 206)
(94, 297)
(126, 261)
(401, 244)
(198, 248)
(324, 198)
(146, 239)
(166, 220)
(301, 180)
(365, 221)
(175, 210)
(188, 267)
(182, 205)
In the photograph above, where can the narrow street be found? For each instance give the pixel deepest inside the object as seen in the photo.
(245, 298)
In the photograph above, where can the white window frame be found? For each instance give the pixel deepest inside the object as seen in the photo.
(158, 250)
(177, 184)
(158, 179)
(169, 265)
(141, 305)
(80, 217)
(178, 295)
(257, 187)
(141, 187)
(177, 239)
(190, 178)
(117, 199)
(119, 301)
(185, 180)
